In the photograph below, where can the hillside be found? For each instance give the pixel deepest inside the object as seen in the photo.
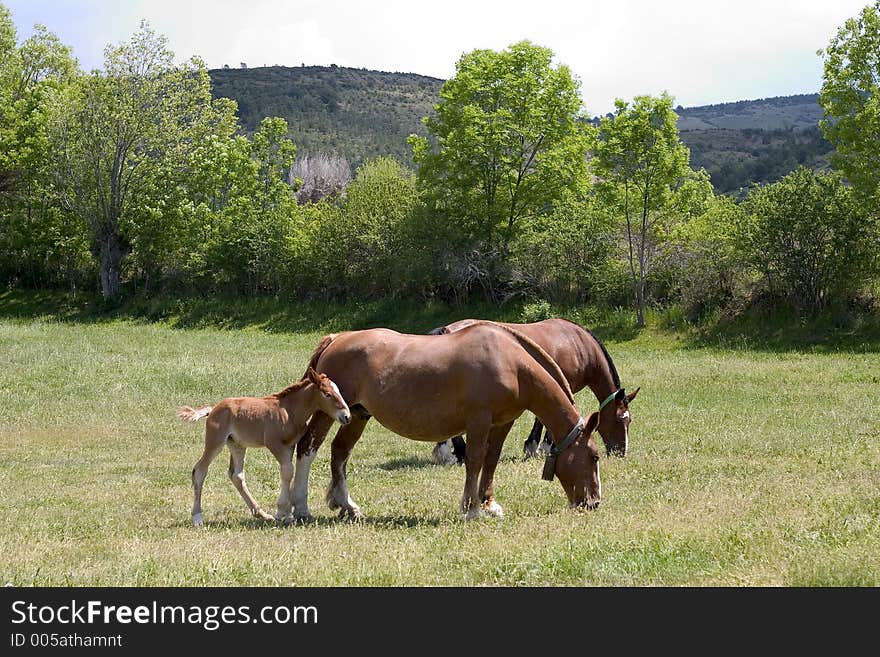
(354, 112)
(361, 114)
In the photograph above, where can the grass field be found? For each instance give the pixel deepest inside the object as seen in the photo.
(746, 467)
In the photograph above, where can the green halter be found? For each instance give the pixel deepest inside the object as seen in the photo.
(609, 398)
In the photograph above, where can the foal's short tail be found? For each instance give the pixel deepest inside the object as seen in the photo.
(190, 414)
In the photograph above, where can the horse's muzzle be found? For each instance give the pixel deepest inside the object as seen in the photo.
(343, 418)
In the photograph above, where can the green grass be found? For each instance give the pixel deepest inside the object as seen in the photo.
(747, 467)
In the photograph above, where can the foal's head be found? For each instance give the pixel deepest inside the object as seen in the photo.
(329, 398)
(614, 421)
(578, 468)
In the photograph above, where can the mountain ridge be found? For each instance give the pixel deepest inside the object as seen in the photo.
(361, 114)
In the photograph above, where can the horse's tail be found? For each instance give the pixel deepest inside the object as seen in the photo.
(544, 359)
(190, 414)
(322, 345)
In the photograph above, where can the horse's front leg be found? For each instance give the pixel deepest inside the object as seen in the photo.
(284, 455)
(530, 446)
(236, 476)
(338, 496)
(477, 435)
(306, 449)
(497, 435)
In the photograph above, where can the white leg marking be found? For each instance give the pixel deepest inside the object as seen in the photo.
(443, 455)
(301, 485)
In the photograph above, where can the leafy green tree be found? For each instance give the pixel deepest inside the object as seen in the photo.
(811, 239)
(37, 240)
(851, 98)
(115, 132)
(360, 246)
(710, 259)
(507, 141)
(644, 177)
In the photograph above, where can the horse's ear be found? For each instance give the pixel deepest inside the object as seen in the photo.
(592, 423)
(620, 396)
(312, 375)
(632, 395)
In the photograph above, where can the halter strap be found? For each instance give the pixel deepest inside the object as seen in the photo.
(609, 398)
(566, 442)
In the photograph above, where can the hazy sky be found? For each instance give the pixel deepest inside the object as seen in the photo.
(700, 51)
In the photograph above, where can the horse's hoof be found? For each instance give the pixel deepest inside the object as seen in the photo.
(493, 509)
(262, 515)
(351, 514)
(474, 513)
(197, 520)
(530, 450)
(304, 519)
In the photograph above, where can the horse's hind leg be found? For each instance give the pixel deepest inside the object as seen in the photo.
(213, 446)
(530, 446)
(236, 475)
(497, 435)
(338, 496)
(477, 436)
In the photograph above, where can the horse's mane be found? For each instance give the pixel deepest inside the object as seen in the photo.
(614, 376)
(537, 352)
(322, 345)
(293, 387)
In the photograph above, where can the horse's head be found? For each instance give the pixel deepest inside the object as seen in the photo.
(614, 419)
(330, 400)
(577, 468)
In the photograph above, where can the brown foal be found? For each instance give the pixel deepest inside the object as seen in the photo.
(277, 422)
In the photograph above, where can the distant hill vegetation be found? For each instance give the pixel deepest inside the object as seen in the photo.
(361, 114)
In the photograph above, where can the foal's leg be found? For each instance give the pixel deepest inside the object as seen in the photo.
(478, 428)
(213, 446)
(306, 449)
(338, 496)
(530, 446)
(487, 478)
(236, 475)
(284, 455)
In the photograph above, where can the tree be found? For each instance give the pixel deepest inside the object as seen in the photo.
(644, 176)
(117, 129)
(36, 239)
(811, 238)
(507, 140)
(851, 98)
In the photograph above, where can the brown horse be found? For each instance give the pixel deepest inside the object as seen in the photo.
(476, 381)
(585, 362)
(277, 422)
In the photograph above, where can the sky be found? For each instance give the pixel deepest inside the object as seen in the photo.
(699, 51)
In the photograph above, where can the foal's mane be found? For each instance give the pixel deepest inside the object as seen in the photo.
(293, 387)
(544, 359)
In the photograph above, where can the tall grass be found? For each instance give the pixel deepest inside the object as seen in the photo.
(747, 467)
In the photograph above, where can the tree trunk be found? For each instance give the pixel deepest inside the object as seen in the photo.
(113, 250)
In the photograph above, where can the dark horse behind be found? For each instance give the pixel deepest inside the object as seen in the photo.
(585, 362)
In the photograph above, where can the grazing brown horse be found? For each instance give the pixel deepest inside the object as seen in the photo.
(585, 362)
(476, 381)
(277, 422)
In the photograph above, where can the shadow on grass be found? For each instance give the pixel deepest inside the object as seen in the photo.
(282, 315)
(414, 462)
(782, 331)
(775, 329)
